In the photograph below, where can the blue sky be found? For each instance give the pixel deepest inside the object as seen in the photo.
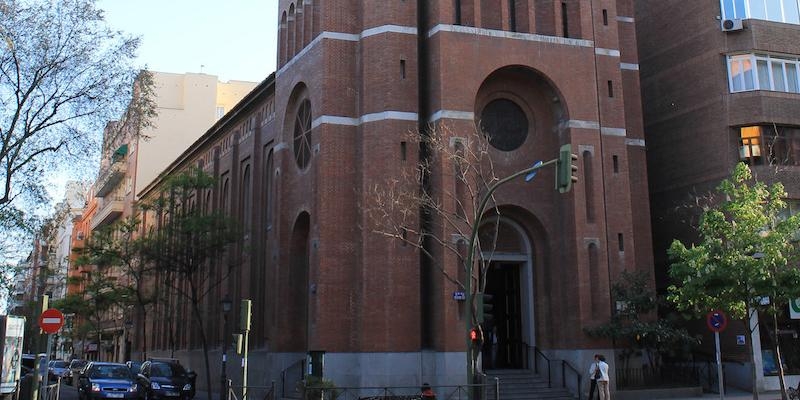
(233, 39)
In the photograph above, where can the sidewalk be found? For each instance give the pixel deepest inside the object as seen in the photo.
(734, 394)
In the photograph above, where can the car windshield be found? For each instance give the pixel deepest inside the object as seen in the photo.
(77, 364)
(166, 370)
(59, 364)
(110, 371)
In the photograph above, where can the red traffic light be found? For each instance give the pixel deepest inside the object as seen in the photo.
(476, 337)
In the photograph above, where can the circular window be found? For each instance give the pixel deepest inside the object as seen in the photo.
(504, 124)
(302, 135)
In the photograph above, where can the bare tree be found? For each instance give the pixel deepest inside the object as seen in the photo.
(449, 218)
(187, 247)
(63, 74)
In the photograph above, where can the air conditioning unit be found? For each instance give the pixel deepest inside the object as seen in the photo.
(731, 25)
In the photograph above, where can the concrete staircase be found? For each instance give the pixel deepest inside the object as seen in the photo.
(522, 384)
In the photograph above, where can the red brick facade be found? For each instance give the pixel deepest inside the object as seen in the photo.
(372, 71)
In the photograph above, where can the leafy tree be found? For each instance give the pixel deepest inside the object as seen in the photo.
(187, 245)
(117, 247)
(746, 252)
(100, 300)
(634, 325)
(63, 74)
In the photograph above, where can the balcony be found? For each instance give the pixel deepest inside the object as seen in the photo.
(108, 210)
(110, 177)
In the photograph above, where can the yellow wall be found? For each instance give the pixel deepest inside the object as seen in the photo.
(187, 108)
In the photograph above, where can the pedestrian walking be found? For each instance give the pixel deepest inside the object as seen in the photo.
(594, 373)
(603, 380)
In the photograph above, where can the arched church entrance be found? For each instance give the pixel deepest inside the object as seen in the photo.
(507, 255)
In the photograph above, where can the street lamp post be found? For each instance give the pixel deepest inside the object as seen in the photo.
(226, 308)
(469, 319)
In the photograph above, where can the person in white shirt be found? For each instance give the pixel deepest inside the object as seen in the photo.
(594, 373)
(603, 379)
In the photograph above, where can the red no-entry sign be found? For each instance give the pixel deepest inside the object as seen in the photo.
(51, 321)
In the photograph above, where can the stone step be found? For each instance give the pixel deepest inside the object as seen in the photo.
(520, 384)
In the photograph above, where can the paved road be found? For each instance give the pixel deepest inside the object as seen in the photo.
(67, 392)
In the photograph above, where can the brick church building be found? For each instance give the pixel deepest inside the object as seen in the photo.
(297, 157)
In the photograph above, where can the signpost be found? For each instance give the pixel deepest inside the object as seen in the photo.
(717, 321)
(50, 321)
(794, 309)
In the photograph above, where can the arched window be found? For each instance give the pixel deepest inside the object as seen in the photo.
(588, 185)
(268, 193)
(284, 45)
(247, 200)
(594, 276)
(226, 196)
(296, 311)
(292, 33)
(302, 134)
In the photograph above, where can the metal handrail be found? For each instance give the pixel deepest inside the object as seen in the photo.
(539, 353)
(284, 373)
(564, 365)
(253, 391)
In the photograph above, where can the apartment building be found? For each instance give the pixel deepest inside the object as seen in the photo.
(719, 86)
(133, 153)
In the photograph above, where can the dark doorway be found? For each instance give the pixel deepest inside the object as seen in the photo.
(504, 347)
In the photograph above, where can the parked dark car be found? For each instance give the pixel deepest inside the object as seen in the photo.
(75, 367)
(57, 369)
(166, 380)
(106, 380)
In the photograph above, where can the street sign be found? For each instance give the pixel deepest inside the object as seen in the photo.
(51, 321)
(740, 340)
(794, 309)
(717, 321)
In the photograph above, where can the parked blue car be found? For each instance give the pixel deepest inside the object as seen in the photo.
(105, 380)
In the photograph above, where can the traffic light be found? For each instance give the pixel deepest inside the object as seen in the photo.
(485, 307)
(565, 169)
(476, 337)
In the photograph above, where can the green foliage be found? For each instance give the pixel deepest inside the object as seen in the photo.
(188, 246)
(746, 251)
(189, 236)
(630, 325)
(316, 388)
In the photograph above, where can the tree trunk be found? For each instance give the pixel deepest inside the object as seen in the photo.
(777, 349)
(199, 317)
(749, 341)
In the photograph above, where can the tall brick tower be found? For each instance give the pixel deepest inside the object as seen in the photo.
(355, 76)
